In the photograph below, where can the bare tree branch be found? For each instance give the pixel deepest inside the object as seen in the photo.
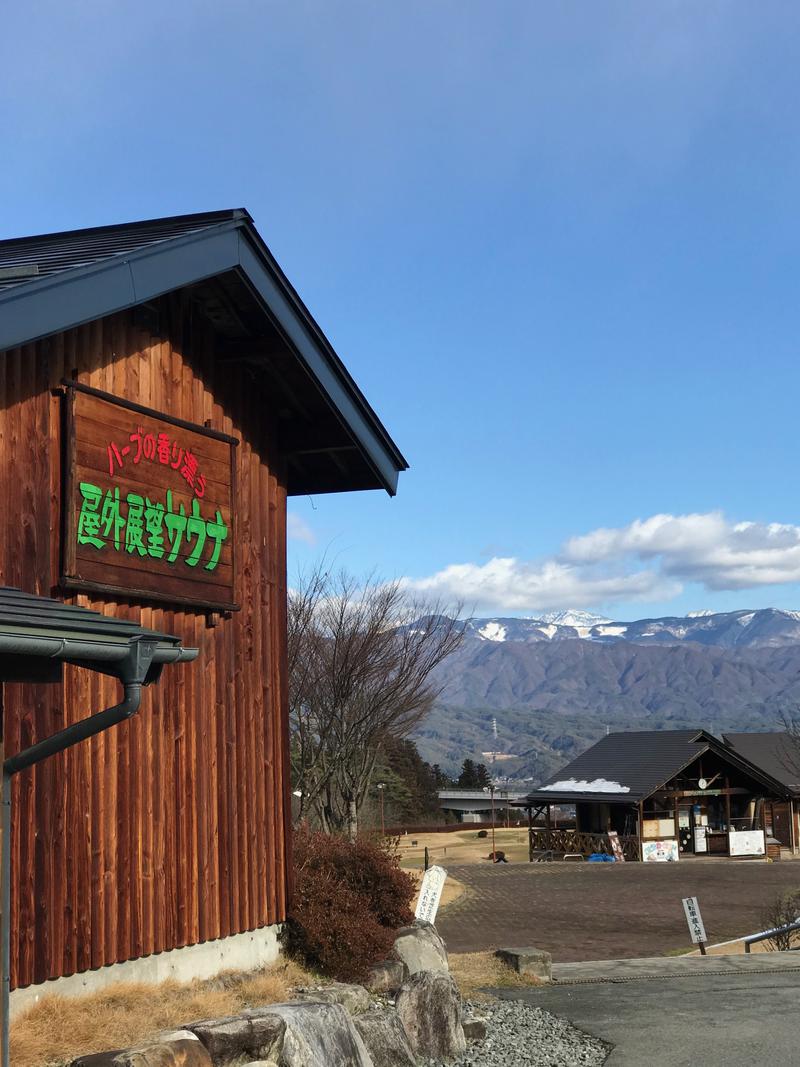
(361, 660)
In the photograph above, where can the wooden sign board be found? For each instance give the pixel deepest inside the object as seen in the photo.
(616, 846)
(149, 504)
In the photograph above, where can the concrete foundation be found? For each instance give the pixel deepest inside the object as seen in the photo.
(240, 952)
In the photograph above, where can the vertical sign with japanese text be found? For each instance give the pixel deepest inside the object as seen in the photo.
(430, 894)
(696, 928)
(149, 508)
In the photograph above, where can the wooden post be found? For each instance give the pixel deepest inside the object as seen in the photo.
(530, 835)
(548, 827)
(677, 821)
(728, 812)
(640, 829)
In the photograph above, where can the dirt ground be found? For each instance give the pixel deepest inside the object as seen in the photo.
(588, 911)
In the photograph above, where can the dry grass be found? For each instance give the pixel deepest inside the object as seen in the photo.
(462, 846)
(58, 1029)
(474, 971)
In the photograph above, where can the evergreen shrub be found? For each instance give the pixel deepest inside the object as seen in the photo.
(350, 897)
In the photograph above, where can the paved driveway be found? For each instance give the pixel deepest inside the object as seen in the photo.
(596, 911)
(731, 1021)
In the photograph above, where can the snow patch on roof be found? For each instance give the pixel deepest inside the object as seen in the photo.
(493, 631)
(572, 785)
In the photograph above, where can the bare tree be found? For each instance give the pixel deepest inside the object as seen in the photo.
(361, 656)
(783, 911)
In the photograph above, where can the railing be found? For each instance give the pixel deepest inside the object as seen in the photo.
(564, 841)
(766, 935)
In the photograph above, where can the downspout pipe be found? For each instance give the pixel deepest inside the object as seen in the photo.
(132, 675)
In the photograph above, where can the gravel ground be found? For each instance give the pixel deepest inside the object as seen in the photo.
(519, 1035)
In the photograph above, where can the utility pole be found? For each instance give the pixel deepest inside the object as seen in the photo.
(490, 790)
(381, 787)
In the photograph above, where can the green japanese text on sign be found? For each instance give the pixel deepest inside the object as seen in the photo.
(148, 527)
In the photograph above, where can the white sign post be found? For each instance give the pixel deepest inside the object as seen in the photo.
(695, 921)
(430, 894)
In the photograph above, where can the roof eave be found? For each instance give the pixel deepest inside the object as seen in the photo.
(73, 297)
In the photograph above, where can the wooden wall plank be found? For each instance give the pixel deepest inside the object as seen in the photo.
(170, 829)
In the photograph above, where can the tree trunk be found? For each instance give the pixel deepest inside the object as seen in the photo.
(352, 819)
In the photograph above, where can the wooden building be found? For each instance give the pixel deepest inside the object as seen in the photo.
(163, 390)
(778, 754)
(663, 794)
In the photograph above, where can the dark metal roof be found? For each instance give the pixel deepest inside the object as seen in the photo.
(638, 763)
(24, 259)
(37, 634)
(57, 281)
(774, 753)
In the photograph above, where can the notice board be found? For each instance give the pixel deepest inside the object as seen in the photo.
(149, 503)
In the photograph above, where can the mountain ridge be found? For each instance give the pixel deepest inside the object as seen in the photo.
(555, 690)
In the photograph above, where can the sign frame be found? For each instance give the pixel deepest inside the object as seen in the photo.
(740, 843)
(68, 564)
(430, 895)
(660, 850)
(694, 920)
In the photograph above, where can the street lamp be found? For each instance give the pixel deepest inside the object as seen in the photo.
(490, 789)
(381, 786)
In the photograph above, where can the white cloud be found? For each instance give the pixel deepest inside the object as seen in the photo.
(705, 548)
(513, 585)
(646, 560)
(297, 529)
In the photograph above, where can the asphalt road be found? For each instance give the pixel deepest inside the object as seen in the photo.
(713, 1021)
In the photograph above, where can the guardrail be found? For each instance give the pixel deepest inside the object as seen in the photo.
(765, 935)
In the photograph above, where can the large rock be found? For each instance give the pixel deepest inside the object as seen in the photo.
(386, 977)
(229, 1039)
(420, 948)
(429, 1008)
(354, 998)
(385, 1038)
(317, 1034)
(183, 1051)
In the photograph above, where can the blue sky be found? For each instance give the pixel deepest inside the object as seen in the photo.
(556, 244)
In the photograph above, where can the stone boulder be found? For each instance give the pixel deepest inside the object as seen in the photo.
(474, 1028)
(317, 1034)
(386, 977)
(385, 1038)
(229, 1039)
(353, 998)
(528, 961)
(421, 948)
(183, 1050)
(429, 1008)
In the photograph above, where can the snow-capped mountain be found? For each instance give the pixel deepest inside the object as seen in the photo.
(555, 688)
(764, 628)
(572, 618)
